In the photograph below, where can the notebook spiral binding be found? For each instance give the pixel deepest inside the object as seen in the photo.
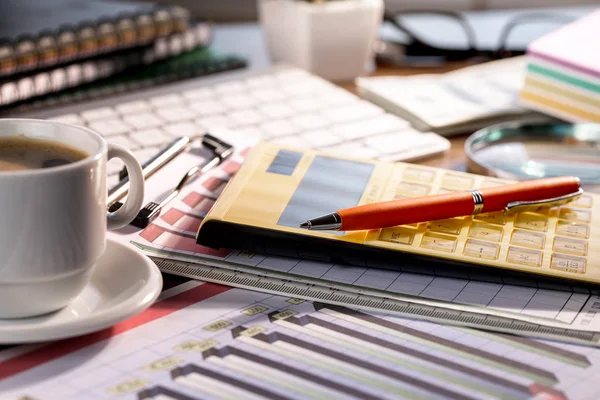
(79, 73)
(89, 38)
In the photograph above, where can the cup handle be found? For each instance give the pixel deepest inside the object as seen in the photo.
(135, 196)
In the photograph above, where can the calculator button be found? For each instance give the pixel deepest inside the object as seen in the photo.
(531, 258)
(481, 249)
(99, 113)
(457, 181)
(570, 246)
(497, 218)
(486, 232)
(573, 214)
(568, 263)
(438, 242)
(452, 226)
(532, 221)
(407, 189)
(584, 201)
(418, 175)
(142, 120)
(492, 183)
(528, 239)
(572, 229)
(443, 190)
(132, 107)
(397, 235)
(150, 137)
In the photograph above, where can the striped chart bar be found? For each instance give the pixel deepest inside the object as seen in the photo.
(408, 359)
(369, 374)
(436, 342)
(219, 385)
(163, 393)
(278, 374)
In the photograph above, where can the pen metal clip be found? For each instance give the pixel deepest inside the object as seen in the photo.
(521, 206)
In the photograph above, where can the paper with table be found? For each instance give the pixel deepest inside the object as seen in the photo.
(463, 100)
(214, 342)
(172, 236)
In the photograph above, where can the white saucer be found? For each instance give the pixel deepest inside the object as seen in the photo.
(124, 283)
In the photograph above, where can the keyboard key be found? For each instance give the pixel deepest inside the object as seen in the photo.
(175, 114)
(292, 141)
(146, 154)
(359, 110)
(207, 107)
(279, 127)
(337, 97)
(238, 100)
(99, 113)
(320, 138)
(143, 120)
(292, 74)
(229, 87)
(260, 81)
(395, 142)
(355, 149)
(114, 166)
(370, 127)
(151, 137)
(183, 129)
(133, 107)
(246, 117)
(267, 95)
(110, 127)
(68, 119)
(306, 103)
(166, 100)
(198, 94)
(310, 121)
(124, 141)
(426, 145)
(276, 110)
(214, 122)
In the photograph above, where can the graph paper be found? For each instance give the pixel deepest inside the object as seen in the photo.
(206, 341)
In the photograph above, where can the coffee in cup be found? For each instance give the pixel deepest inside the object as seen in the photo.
(53, 202)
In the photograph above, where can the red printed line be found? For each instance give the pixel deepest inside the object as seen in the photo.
(175, 240)
(181, 220)
(198, 202)
(64, 347)
(214, 184)
(231, 167)
(193, 199)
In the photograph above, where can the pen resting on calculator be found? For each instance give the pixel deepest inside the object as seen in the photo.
(510, 198)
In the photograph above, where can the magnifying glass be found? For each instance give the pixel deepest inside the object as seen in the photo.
(522, 151)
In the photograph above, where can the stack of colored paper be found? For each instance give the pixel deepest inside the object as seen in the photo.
(563, 72)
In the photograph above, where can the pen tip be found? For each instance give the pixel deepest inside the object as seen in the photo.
(306, 225)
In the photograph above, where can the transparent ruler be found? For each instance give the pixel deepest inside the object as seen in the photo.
(445, 313)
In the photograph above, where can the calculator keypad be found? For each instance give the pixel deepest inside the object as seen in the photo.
(557, 239)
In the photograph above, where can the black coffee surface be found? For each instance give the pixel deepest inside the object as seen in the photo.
(22, 153)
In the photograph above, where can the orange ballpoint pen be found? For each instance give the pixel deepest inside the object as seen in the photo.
(510, 198)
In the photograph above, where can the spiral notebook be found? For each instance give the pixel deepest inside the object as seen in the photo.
(42, 34)
(37, 84)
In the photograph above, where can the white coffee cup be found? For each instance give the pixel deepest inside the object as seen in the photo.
(53, 221)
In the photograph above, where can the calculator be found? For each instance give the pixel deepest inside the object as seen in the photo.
(279, 187)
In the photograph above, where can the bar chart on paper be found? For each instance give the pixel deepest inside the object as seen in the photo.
(214, 342)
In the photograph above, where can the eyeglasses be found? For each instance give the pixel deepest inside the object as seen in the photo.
(415, 25)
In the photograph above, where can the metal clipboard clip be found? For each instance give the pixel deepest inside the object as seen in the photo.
(220, 151)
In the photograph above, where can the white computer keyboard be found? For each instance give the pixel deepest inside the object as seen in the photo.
(284, 105)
